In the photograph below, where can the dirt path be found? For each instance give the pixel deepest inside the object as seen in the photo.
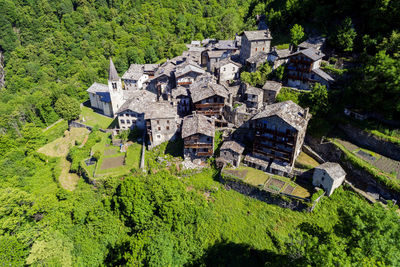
(67, 179)
(48, 127)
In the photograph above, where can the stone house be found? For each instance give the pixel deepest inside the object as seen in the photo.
(134, 77)
(271, 90)
(210, 57)
(108, 99)
(304, 69)
(198, 135)
(316, 42)
(150, 69)
(256, 61)
(208, 98)
(254, 42)
(279, 131)
(278, 57)
(100, 99)
(227, 70)
(231, 153)
(186, 73)
(253, 97)
(161, 125)
(329, 176)
(165, 79)
(181, 99)
(131, 114)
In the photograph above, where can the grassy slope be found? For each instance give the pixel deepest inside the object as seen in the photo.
(93, 118)
(240, 219)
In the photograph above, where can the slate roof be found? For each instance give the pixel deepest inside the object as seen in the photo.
(333, 169)
(312, 53)
(254, 90)
(282, 53)
(215, 53)
(196, 43)
(204, 89)
(288, 111)
(258, 35)
(186, 68)
(314, 42)
(180, 90)
(197, 124)
(165, 69)
(226, 61)
(139, 101)
(150, 67)
(97, 87)
(259, 57)
(225, 45)
(234, 146)
(160, 110)
(323, 75)
(112, 72)
(134, 72)
(272, 85)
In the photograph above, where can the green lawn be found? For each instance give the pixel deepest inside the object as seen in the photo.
(92, 118)
(304, 161)
(56, 131)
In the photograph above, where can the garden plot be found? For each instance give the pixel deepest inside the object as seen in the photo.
(109, 163)
(269, 182)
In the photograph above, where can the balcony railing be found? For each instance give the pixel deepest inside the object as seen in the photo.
(204, 153)
(209, 105)
(276, 149)
(269, 155)
(288, 143)
(197, 145)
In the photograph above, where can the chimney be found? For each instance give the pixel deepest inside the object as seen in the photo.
(306, 111)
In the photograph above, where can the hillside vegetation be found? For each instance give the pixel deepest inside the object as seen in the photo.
(55, 49)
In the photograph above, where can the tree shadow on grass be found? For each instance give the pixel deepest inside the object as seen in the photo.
(231, 254)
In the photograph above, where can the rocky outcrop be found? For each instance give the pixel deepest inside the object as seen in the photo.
(371, 142)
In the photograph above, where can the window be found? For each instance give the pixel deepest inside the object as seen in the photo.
(128, 121)
(263, 48)
(159, 128)
(158, 136)
(158, 122)
(208, 139)
(167, 121)
(114, 86)
(167, 128)
(122, 121)
(233, 68)
(256, 48)
(224, 69)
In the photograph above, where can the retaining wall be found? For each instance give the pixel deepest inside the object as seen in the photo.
(371, 142)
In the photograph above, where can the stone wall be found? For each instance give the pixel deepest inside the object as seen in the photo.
(372, 142)
(359, 178)
(262, 195)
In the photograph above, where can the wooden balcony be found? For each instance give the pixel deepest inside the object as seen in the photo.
(288, 143)
(300, 61)
(262, 130)
(276, 149)
(204, 154)
(197, 145)
(263, 153)
(209, 105)
(184, 83)
(209, 112)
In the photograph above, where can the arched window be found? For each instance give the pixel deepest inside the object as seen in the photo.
(122, 121)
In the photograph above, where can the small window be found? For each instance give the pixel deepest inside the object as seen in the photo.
(263, 48)
(128, 121)
(114, 86)
(233, 68)
(167, 121)
(158, 136)
(122, 121)
(256, 48)
(224, 69)
(158, 122)
(159, 128)
(167, 128)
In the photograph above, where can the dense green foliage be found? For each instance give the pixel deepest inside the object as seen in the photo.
(296, 34)
(57, 48)
(67, 107)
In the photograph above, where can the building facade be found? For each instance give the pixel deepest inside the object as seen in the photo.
(329, 176)
(254, 42)
(198, 136)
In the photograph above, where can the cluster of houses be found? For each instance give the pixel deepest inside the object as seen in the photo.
(193, 95)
